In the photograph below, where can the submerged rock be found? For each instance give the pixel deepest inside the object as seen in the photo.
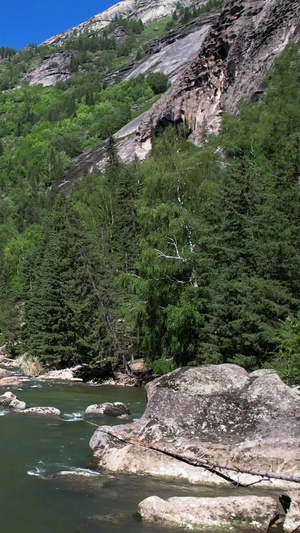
(205, 514)
(217, 412)
(80, 480)
(116, 409)
(10, 382)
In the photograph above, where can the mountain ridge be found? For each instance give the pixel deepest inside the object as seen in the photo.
(150, 11)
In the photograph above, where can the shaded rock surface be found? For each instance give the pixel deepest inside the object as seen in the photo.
(292, 521)
(231, 64)
(115, 409)
(220, 413)
(216, 514)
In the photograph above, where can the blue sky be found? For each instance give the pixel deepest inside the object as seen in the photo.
(23, 21)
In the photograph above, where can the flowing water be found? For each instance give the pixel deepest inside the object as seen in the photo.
(32, 448)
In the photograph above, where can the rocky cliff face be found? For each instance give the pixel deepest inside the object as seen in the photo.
(230, 65)
(54, 68)
(147, 11)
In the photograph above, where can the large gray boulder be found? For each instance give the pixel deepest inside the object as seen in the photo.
(218, 412)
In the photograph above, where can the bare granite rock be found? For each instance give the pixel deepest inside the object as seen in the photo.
(210, 514)
(66, 374)
(217, 412)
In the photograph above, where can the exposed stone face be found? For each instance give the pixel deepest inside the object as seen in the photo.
(169, 56)
(53, 69)
(216, 514)
(230, 65)
(217, 411)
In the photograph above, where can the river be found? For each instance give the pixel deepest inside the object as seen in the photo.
(32, 448)
(35, 448)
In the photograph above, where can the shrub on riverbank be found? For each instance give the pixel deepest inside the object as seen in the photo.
(31, 366)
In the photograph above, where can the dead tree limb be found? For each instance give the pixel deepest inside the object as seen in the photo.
(204, 463)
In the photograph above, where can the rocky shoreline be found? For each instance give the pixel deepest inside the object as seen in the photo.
(215, 425)
(243, 427)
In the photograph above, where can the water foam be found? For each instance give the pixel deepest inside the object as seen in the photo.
(73, 417)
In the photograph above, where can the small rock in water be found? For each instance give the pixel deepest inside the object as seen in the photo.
(77, 480)
(47, 411)
(116, 409)
(7, 398)
(17, 405)
(11, 401)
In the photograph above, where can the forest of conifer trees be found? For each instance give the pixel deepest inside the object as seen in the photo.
(190, 257)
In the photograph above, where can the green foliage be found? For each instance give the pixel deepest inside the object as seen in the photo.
(158, 82)
(163, 366)
(287, 357)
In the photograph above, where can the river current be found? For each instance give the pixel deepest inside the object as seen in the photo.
(33, 448)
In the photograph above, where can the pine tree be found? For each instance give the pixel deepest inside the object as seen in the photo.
(66, 317)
